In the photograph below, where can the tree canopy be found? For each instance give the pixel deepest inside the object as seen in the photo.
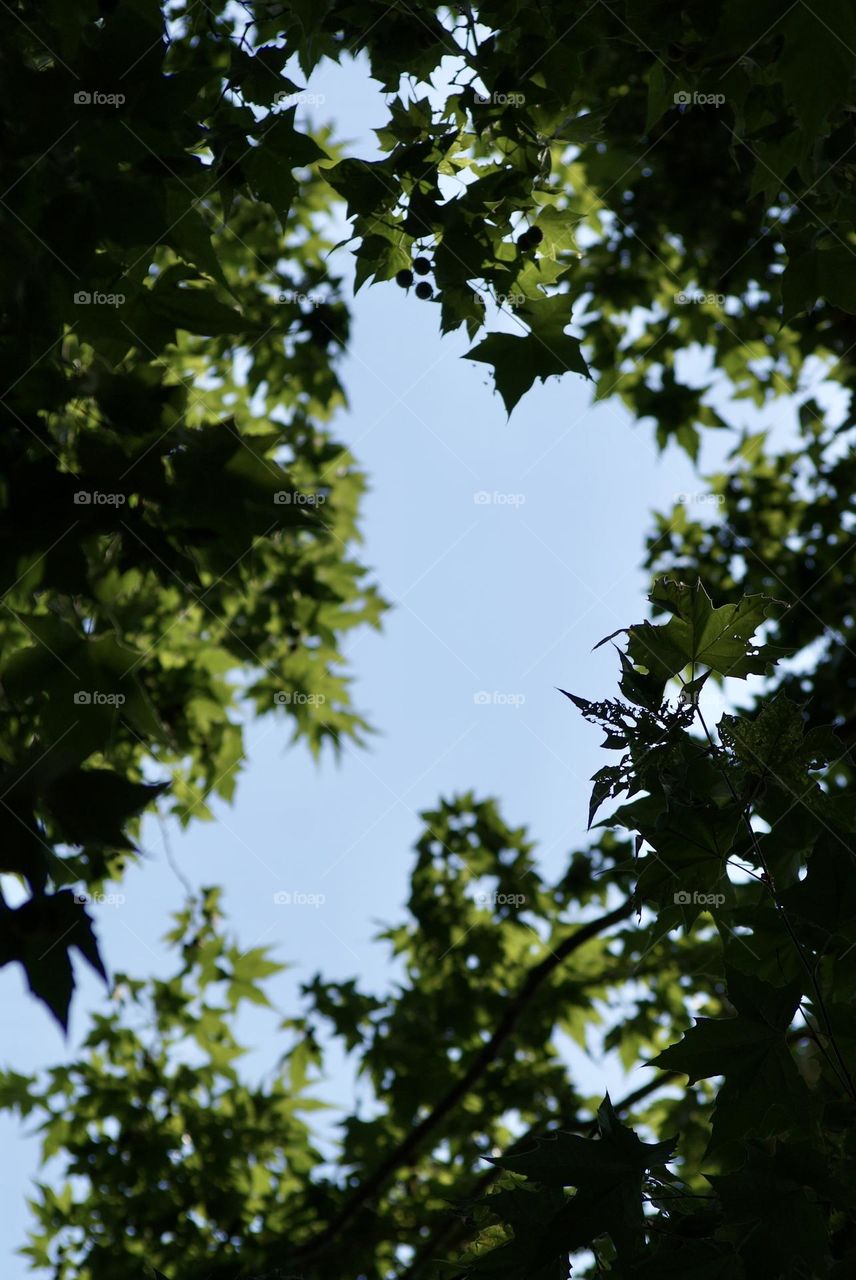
(655, 199)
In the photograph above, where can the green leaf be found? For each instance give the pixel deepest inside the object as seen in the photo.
(607, 1171)
(367, 186)
(93, 806)
(567, 1160)
(39, 935)
(662, 85)
(517, 361)
(193, 310)
(777, 1202)
(700, 635)
(828, 272)
(763, 1093)
(812, 41)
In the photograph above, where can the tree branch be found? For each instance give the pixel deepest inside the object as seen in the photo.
(406, 1150)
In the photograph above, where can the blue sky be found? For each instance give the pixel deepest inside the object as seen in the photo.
(504, 597)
